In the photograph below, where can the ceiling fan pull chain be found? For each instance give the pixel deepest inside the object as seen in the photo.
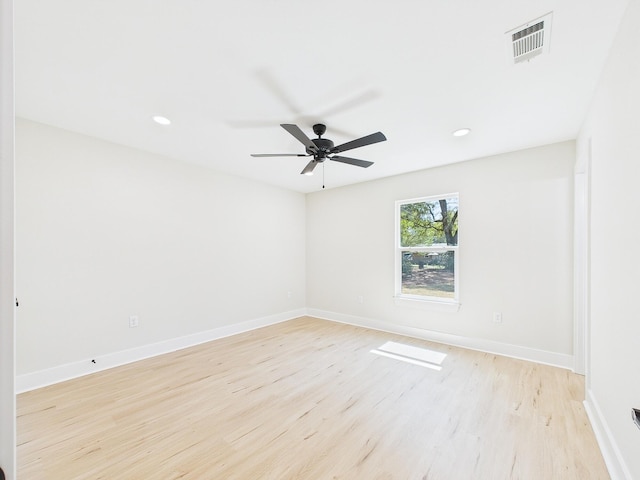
(322, 174)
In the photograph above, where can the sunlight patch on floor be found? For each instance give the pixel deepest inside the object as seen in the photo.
(411, 354)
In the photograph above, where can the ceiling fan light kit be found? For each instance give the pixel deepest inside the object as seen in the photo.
(323, 149)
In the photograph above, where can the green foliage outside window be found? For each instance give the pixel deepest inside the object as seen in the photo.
(425, 224)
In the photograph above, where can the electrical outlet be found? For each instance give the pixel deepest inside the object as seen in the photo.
(133, 321)
(497, 317)
(289, 294)
(360, 299)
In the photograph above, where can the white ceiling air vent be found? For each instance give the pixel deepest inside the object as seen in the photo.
(529, 40)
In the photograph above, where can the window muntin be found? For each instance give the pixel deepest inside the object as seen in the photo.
(426, 248)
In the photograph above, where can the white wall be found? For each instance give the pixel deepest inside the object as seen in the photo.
(515, 248)
(105, 232)
(612, 129)
(7, 308)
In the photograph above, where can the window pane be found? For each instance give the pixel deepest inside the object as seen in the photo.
(429, 274)
(428, 223)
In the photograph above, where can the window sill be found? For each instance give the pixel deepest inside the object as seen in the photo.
(431, 305)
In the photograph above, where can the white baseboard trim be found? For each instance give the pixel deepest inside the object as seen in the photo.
(60, 373)
(514, 351)
(616, 465)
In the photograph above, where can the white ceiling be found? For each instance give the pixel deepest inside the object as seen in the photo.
(228, 73)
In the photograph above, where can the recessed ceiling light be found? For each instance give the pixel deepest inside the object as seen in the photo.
(461, 132)
(161, 120)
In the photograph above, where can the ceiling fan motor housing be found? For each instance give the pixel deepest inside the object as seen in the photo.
(324, 147)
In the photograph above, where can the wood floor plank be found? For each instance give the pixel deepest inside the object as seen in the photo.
(307, 399)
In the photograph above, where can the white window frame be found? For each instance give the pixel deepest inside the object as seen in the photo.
(424, 301)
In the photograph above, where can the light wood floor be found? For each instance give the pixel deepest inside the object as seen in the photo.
(307, 400)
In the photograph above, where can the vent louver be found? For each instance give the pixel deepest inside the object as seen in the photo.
(529, 40)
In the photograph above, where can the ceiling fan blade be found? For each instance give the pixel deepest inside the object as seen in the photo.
(278, 155)
(308, 170)
(360, 142)
(300, 136)
(351, 161)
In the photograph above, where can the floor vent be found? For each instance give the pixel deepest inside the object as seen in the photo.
(529, 40)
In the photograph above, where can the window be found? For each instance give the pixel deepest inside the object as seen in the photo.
(427, 249)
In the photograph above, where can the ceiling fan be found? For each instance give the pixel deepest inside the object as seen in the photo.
(322, 148)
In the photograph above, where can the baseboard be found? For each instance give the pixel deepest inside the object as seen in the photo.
(50, 376)
(514, 351)
(616, 465)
